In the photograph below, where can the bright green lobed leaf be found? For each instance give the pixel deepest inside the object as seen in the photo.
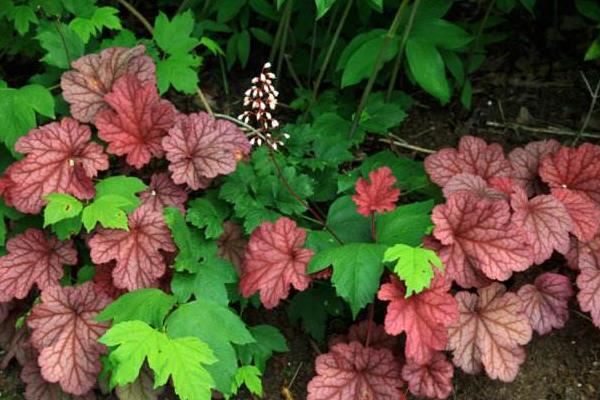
(174, 37)
(60, 207)
(186, 240)
(250, 376)
(148, 305)
(268, 341)
(414, 265)
(61, 43)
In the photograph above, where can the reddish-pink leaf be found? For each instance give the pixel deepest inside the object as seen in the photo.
(475, 184)
(137, 251)
(463, 270)
(584, 213)
(479, 232)
(378, 339)
(200, 148)
(545, 221)
(33, 259)
(574, 169)
(377, 196)
(588, 280)
(5, 182)
(60, 159)
(136, 122)
(103, 278)
(424, 317)
(354, 372)
(163, 192)
(489, 333)
(274, 261)
(474, 156)
(65, 332)
(545, 302)
(232, 244)
(433, 380)
(93, 77)
(37, 388)
(526, 160)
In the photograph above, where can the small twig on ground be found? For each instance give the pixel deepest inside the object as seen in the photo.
(549, 130)
(396, 141)
(594, 94)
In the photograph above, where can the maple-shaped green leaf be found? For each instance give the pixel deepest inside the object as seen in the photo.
(250, 376)
(414, 265)
(22, 16)
(208, 212)
(186, 240)
(60, 207)
(61, 43)
(109, 211)
(66, 228)
(103, 17)
(217, 326)
(357, 269)
(407, 224)
(179, 71)
(268, 341)
(313, 307)
(18, 108)
(184, 359)
(148, 305)
(174, 37)
(125, 186)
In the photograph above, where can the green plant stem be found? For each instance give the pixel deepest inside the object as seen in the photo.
(62, 39)
(378, 64)
(287, 15)
(329, 53)
(279, 33)
(207, 106)
(138, 15)
(400, 56)
(373, 231)
(311, 58)
(480, 29)
(224, 76)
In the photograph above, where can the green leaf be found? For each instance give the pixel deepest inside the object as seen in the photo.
(357, 269)
(243, 47)
(22, 16)
(414, 266)
(440, 33)
(174, 37)
(593, 52)
(109, 211)
(427, 67)
(60, 207)
(506, 5)
(187, 242)
(101, 18)
(250, 376)
(407, 224)
(217, 326)
(262, 36)
(589, 8)
(466, 95)
(185, 359)
(61, 43)
(313, 307)
(209, 282)
(362, 61)
(323, 6)
(228, 9)
(179, 71)
(376, 5)
(124, 186)
(67, 227)
(212, 46)
(380, 116)
(18, 108)
(357, 42)
(148, 305)
(208, 213)
(349, 225)
(265, 9)
(268, 341)
(6, 212)
(279, 4)
(124, 38)
(528, 4)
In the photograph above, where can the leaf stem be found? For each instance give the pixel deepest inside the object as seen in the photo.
(373, 231)
(287, 16)
(205, 102)
(370, 324)
(138, 15)
(377, 66)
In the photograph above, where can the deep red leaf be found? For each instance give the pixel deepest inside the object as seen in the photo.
(163, 192)
(584, 213)
(545, 302)
(5, 182)
(60, 159)
(353, 372)
(37, 388)
(93, 77)
(379, 195)
(433, 380)
(274, 261)
(475, 184)
(65, 332)
(379, 339)
(474, 156)
(545, 221)
(200, 148)
(232, 244)
(588, 280)
(137, 251)
(424, 317)
(33, 259)
(526, 161)
(478, 232)
(136, 122)
(489, 333)
(103, 278)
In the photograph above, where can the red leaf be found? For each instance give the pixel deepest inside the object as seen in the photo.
(463, 270)
(588, 280)
(526, 160)
(5, 183)
(377, 196)
(474, 156)
(33, 259)
(136, 122)
(584, 213)
(545, 302)
(137, 251)
(490, 331)
(103, 278)
(274, 261)
(424, 317)
(37, 388)
(65, 332)
(93, 77)
(200, 147)
(545, 221)
(433, 380)
(60, 159)
(353, 372)
(479, 232)
(163, 192)
(379, 338)
(473, 184)
(232, 244)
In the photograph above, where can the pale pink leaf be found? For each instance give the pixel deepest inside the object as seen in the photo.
(378, 195)
(432, 380)
(232, 244)
(37, 388)
(526, 161)
(163, 192)
(584, 213)
(464, 182)
(588, 280)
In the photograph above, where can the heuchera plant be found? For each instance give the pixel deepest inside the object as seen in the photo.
(158, 229)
